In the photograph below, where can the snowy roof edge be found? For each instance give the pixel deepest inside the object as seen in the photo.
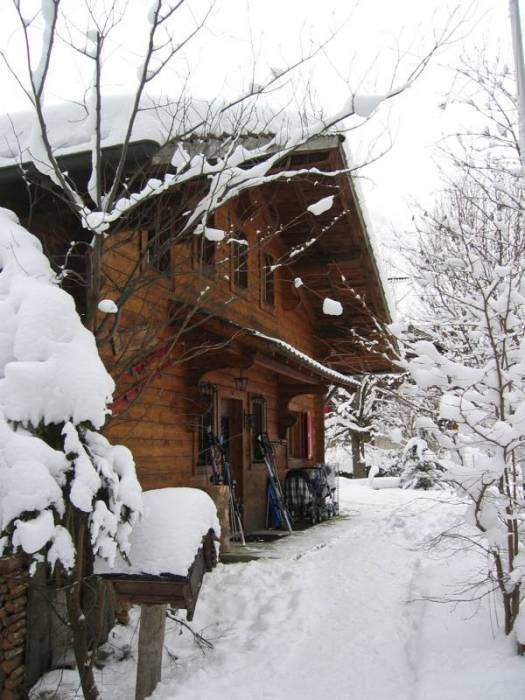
(314, 364)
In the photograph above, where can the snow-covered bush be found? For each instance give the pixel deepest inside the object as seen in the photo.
(388, 463)
(418, 466)
(55, 468)
(359, 416)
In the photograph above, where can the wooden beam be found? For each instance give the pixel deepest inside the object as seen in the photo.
(215, 360)
(282, 368)
(292, 390)
(305, 264)
(290, 294)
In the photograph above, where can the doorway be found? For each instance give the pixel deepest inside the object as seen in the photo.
(231, 430)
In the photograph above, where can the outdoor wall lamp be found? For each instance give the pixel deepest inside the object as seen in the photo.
(206, 389)
(240, 383)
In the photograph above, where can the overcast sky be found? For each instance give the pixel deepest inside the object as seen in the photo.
(363, 56)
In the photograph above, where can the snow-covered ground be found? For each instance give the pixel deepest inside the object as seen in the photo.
(340, 611)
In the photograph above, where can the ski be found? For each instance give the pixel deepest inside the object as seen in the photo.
(221, 474)
(276, 492)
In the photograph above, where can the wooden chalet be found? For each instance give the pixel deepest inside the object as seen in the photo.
(223, 334)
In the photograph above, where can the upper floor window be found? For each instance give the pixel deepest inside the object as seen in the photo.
(158, 253)
(268, 280)
(204, 250)
(208, 252)
(158, 240)
(239, 255)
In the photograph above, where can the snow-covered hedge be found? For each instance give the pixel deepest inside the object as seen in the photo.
(54, 396)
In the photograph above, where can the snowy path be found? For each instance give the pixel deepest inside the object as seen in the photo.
(336, 613)
(331, 618)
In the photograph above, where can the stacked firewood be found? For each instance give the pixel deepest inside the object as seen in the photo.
(13, 616)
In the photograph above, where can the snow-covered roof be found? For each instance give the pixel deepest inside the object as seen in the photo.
(331, 375)
(160, 120)
(168, 537)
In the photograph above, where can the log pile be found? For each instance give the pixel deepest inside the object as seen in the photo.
(13, 615)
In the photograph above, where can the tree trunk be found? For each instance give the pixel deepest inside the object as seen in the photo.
(358, 463)
(81, 649)
(151, 643)
(94, 283)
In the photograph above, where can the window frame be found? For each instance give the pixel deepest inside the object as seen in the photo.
(157, 235)
(300, 445)
(240, 265)
(204, 251)
(267, 280)
(202, 462)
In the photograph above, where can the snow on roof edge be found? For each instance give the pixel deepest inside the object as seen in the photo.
(338, 376)
(160, 120)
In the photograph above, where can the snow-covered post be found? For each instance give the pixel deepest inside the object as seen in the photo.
(66, 493)
(150, 646)
(172, 548)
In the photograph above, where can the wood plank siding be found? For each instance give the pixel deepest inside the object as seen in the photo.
(160, 425)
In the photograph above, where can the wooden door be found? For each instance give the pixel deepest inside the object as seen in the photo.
(231, 430)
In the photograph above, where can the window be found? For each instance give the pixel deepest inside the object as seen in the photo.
(239, 248)
(258, 426)
(205, 427)
(204, 251)
(300, 437)
(268, 280)
(158, 253)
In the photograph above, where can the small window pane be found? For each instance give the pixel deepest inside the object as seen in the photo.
(240, 261)
(268, 281)
(158, 253)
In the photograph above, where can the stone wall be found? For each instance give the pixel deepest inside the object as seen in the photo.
(13, 625)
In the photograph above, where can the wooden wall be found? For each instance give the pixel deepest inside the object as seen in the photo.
(159, 423)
